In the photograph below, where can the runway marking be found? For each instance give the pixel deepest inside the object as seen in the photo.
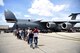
(42, 50)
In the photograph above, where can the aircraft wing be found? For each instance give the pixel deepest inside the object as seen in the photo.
(71, 21)
(57, 22)
(37, 21)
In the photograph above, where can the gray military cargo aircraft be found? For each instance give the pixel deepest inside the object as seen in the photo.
(42, 25)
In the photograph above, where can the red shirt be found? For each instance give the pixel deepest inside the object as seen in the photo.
(35, 30)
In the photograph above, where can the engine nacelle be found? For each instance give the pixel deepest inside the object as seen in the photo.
(50, 25)
(66, 25)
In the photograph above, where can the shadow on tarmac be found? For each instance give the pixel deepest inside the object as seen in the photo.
(41, 45)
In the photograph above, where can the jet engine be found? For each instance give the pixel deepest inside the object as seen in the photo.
(66, 25)
(50, 25)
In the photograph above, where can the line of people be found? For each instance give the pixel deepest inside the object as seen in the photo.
(29, 35)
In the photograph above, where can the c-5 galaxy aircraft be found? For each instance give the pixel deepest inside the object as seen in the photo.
(42, 25)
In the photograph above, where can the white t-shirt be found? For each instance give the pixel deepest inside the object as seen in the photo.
(20, 31)
(28, 31)
(35, 34)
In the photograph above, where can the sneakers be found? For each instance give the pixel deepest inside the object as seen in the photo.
(36, 46)
(31, 45)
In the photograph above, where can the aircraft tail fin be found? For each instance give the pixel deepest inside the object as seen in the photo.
(74, 15)
(9, 16)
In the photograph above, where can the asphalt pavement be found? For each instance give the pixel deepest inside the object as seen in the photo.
(59, 42)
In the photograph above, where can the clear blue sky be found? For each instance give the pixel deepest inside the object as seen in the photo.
(40, 9)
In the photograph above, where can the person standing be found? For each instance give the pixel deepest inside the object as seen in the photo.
(15, 32)
(25, 34)
(35, 36)
(31, 38)
(28, 32)
(22, 34)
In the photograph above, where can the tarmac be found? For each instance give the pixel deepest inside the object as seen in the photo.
(60, 42)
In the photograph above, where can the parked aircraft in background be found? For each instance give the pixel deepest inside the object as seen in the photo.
(42, 25)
